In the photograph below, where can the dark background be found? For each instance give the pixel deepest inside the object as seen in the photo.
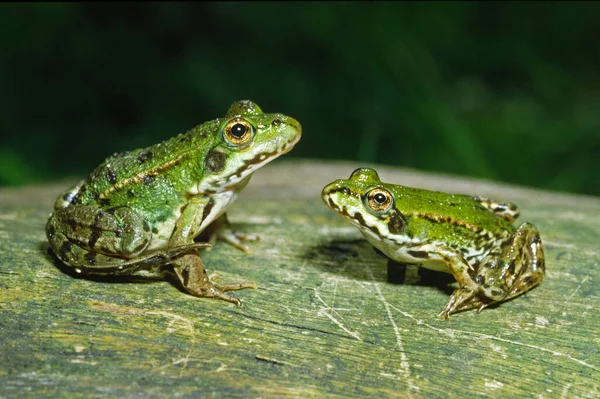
(506, 91)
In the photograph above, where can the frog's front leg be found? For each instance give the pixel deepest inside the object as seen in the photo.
(430, 256)
(519, 267)
(220, 229)
(189, 268)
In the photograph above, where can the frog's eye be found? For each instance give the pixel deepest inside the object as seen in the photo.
(379, 200)
(238, 131)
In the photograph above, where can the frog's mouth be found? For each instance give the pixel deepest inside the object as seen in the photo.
(331, 197)
(244, 168)
(249, 166)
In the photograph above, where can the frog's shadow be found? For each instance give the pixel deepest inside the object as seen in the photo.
(346, 256)
(45, 250)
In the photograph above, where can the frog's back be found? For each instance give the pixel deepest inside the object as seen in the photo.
(160, 172)
(442, 208)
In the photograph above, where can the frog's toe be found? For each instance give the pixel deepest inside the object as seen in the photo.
(461, 299)
(236, 286)
(217, 293)
(237, 239)
(443, 314)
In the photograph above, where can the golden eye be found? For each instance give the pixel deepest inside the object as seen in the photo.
(238, 131)
(379, 200)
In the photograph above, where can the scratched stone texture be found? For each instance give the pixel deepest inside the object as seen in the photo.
(325, 321)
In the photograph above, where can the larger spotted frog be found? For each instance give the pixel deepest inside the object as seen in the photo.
(473, 238)
(140, 211)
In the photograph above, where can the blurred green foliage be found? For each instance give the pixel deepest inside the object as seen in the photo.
(503, 90)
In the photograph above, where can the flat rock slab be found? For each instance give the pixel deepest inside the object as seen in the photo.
(325, 321)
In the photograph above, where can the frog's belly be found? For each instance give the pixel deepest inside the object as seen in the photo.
(160, 239)
(400, 251)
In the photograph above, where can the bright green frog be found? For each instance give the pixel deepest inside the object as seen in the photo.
(470, 237)
(140, 211)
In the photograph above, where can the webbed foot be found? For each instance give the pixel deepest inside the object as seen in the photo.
(190, 270)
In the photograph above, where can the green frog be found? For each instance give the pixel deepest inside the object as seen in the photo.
(472, 238)
(139, 212)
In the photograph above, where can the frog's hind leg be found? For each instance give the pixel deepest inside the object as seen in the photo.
(519, 267)
(97, 241)
(84, 236)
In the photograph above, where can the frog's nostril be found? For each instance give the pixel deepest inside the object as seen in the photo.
(276, 122)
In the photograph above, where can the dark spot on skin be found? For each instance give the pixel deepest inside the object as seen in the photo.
(214, 161)
(96, 232)
(396, 223)
(145, 156)
(451, 204)
(104, 202)
(359, 218)
(95, 195)
(418, 254)
(479, 280)
(496, 293)
(536, 239)
(67, 197)
(148, 179)
(65, 248)
(527, 280)
(257, 159)
(146, 226)
(72, 223)
(90, 257)
(155, 230)
(111, 175)
(50, 231)
(207, 209)
(130, 193)
(119, 232)
(511, 268)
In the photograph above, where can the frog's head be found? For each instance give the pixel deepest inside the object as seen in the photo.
(247, 139)
(365, 202)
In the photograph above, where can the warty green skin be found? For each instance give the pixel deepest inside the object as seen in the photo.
(142, 209)
(472, 238)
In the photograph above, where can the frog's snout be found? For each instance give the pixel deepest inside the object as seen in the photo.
(291, 132)
(294, 124)
(332, 190)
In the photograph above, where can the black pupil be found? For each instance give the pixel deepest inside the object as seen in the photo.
(238, 130)
(380, 198)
